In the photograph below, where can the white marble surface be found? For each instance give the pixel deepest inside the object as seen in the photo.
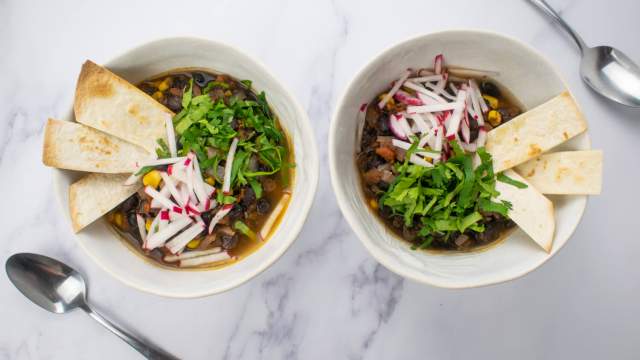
(325, 298)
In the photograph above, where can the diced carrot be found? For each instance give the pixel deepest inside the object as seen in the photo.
(387, 153)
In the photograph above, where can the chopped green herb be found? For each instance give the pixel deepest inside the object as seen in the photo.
(507, 180)
(444, 199)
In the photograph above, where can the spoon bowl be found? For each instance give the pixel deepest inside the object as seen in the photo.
(611, 73)
(52, 285)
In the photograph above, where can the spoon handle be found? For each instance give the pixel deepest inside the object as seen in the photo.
(149, 351)
(548, 10)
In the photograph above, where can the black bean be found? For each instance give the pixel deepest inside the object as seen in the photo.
(383, 185)
(174, 103)
(234, 124)
(147, 88)
(206, 217)
(263, 206)
(200, 79)
(130, 203)
(249, 196)
(237, 213)
(383, 125)
(132, 220)
(490, 89)
(229, 241)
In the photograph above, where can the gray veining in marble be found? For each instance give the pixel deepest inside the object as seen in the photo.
(326, 298)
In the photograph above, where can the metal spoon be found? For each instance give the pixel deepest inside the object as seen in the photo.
(606, 70)
(58, 288)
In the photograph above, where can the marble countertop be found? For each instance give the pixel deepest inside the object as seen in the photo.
(326, 298)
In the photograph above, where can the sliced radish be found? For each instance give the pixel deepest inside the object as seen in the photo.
(198, 182)
(218, 216)
(425, 91)
(453, 88)
(159, 162)
(192, 254)
(437, 63)
(440, 91)
(210, 190)
(456, 116)
(482, 137)
(433, 108)
(171, 137)
(439, 139)
(181, 240)
(402, 123)
(162, 199)
(422, 125)
(271, 220)
(465, 129)
(226, 185)
(406, 98)
(157, 239)
(394, 89)
(424, 79)
(419, 161)
(478, 96)
(155, 204)
(170, 185)
(207, 259)
(142, 230)
(475, 101)
(132, 179)
(395, 128)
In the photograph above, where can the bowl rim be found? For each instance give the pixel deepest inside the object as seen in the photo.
(351, 217)
(292, 234)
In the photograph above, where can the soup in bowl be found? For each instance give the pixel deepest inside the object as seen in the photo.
(202, 166)
(441, 151)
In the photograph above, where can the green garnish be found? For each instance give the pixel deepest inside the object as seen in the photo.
(507, 180)
(204, 124)
(447, 198)
(245, 230)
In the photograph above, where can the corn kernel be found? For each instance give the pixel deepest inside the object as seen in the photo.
(494, 117)
(374, 204)
(147, 224)
(194, 243)
(210, 180)
(228, 93)
(118, 219)
(157, 95)
(152, 178)
(491, 101)
(164, 85)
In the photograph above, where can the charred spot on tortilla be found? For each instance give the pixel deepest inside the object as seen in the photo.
(534, 150)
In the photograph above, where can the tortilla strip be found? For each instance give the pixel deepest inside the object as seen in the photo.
(565, 172)
(109, 103)
(94, 195)
(73, 146)
(531, 211)
(534, 132)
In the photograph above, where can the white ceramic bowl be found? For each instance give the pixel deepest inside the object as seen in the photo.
(113, 256)
(530, 77)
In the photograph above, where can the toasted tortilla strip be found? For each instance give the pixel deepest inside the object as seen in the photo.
(109, 103)
(94, 195)
(531, 211)
(73, 146)
(565, 172)
(534, 132)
